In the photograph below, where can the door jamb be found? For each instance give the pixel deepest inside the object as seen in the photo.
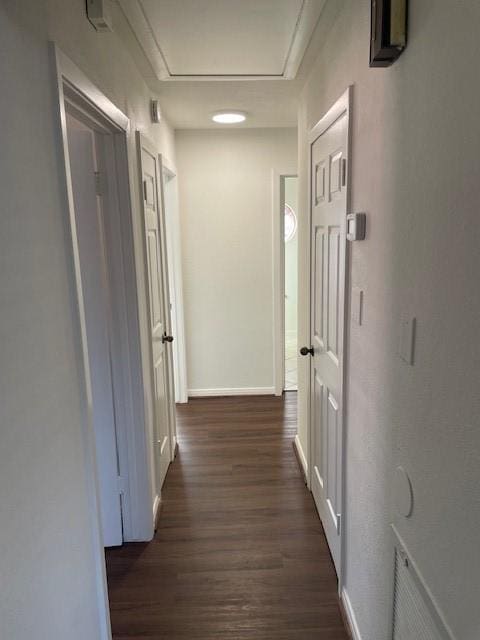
(342, 104)
(278, 201)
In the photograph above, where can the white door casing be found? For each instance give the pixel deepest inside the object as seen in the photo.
(329, 146)
(158, 309)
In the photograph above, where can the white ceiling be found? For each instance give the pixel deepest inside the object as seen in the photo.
(189, 105)
(228, 38)
(202, 56)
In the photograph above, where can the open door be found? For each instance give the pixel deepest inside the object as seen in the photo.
(85, 150)
(328, 206)
(159, 309)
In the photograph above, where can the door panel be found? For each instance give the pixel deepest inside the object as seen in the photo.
(332, 450)
(320, 458)
(328, 237)
(319, 182)
(333, 292)
(158, 309)
(318, 292)
(153, 266)
(335, 180)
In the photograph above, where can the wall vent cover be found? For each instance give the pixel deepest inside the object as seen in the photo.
(415, 615)
(411, 617)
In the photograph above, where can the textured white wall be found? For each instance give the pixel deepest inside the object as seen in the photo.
(46, 547)
(416, 142)
(226, 213)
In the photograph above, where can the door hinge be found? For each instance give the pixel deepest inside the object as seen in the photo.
(145, 190)
(344, 172)
(98, 183)
(122, 485)
(339, 523)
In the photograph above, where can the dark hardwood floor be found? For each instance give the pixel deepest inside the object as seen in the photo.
(239, 552)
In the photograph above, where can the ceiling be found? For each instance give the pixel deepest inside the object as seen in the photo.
(203, 56)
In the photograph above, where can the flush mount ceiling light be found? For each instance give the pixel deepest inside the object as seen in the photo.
(229, 117)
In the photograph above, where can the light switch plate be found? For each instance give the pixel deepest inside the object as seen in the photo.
(406, 347)
(356, 226)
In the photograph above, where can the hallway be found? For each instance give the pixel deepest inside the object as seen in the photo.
(239, 552)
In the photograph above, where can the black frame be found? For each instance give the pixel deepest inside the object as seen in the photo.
(388, 31)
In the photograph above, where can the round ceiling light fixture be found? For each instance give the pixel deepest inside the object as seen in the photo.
(229, 117)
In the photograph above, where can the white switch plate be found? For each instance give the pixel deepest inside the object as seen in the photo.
(357, 305)
(406, 347)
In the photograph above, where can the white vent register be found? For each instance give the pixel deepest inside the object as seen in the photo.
(415, 616)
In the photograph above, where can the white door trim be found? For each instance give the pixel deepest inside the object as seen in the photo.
(278, 199)
(136, 507)
(342, 105)
(69, 72)
(175, 262)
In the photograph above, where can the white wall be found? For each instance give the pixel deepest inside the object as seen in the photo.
(226, 213)
(416, 142)
(46, 559)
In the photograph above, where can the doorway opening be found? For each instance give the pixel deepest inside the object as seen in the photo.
(285, 276)
(174, 260)
(290, 271)
(89, 145)
(105, 303)
(105, 236)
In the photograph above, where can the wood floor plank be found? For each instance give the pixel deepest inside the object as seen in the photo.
(239, 552)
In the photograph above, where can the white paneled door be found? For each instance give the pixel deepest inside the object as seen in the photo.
(329, 146)
(159, 309)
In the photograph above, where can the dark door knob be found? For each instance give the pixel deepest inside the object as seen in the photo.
(166, 338)
(305, 351)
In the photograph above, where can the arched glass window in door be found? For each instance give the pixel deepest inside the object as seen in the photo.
(290, 224)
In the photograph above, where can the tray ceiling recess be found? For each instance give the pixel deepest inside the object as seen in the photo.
(223, 39)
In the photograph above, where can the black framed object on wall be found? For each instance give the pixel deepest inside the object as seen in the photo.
(388, 31)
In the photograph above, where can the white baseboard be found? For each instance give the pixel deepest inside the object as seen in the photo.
(235, 391)
(352, 621)
(301, 455)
